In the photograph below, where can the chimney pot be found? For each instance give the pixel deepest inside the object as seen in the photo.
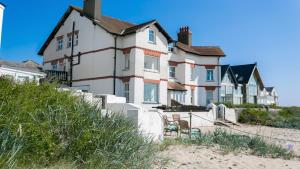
(185, 36)
(92, 8)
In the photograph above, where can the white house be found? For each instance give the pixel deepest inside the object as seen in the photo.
(21, 71)
(195, 69)
(231, 90)
(135, 61)
(2, 7)
(272, 96)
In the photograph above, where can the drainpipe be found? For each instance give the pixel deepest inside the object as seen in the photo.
(115, 64)
(72, 54)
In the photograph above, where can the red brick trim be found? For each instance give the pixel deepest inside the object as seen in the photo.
(210, 66)
(210, 88)
(60, 37)
(70, 34)
(172, 63)
(151, 81)
(125, 51)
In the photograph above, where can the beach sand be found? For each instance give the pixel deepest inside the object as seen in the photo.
(201, 157)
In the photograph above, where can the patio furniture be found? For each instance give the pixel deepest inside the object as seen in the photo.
(176, 117)
(169, 126)
(184, 128)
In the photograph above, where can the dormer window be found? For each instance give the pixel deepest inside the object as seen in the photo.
(60, 43)
(151, 36)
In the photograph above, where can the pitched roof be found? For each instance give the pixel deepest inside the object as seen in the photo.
(269, 89)
(201, 50)
(20, 66)
(2, 4)
(224, 70)
(111, 25)
(243, 73)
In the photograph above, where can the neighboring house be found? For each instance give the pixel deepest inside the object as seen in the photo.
(272, 96)
(21, 71)
(195, 69)
(2, 7)
(252, 85)
(231, 90)
(135, 61)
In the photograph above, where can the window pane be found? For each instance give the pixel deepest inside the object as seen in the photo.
(151, 93)
(210, 75)
(151, 62)
(209, 97)
(172, 71)
(151, 36)
(127, 61)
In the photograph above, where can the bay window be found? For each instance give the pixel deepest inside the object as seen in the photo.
(126, 91)
(151, 63)
(172, 70)
(151, 93)
(209, 75)
(209, 97)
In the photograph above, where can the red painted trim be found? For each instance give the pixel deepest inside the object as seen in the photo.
(210, 66)
(125, 51)
(151, 81)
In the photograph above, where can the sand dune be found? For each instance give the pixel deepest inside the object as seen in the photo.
(190, 157)
(200, 157)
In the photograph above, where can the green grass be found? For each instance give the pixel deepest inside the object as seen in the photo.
(41, 128)
(229, 142)
(288, 117)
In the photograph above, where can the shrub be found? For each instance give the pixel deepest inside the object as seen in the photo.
(229, 142)
(40, 126)
(285, 118)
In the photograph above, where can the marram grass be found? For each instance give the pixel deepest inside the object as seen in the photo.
(41, 127)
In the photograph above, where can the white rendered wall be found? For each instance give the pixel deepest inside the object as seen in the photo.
(18, 73)
(1, 21)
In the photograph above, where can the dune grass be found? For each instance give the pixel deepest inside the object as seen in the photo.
(229, 142)
(288, 117)
(43, 128)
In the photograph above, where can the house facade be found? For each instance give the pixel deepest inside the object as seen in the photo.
(2, 7)
(104, 55)
(231, 90)
(272, 96)
(243, 84)
(21, 72)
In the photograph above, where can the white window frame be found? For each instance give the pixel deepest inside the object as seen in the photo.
(126, 91)
(210, 78)
(192, 73)
(172, 74)
(153, 41)
(60, 44)
(207, 99)
(157, 63)
(127, 62)
(156, 94)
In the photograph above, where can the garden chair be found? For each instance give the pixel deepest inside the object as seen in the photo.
(176, 117)
(184, 128)
(169, 126)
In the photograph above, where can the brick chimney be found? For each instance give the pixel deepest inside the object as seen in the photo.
(185, 36)
(92, 8)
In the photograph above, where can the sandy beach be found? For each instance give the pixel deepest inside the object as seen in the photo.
(202, 157)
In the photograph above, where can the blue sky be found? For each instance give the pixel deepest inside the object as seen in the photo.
(263, 31)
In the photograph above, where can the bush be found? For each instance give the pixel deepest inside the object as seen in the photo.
(40, 126)
(285, 118)
(229, 142)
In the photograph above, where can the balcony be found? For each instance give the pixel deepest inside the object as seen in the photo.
(56, 76)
